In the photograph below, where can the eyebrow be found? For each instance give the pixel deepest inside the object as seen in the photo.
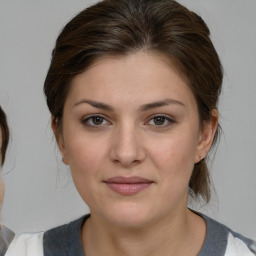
(161, 103)
(95, 104)
(142, 108)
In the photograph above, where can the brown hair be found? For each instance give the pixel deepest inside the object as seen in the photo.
(5, 135)
(121, 27)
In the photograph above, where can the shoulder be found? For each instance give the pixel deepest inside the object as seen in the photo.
(240, 245)
(224, 240)
(30, 244)
(65, 239)
(61, 240)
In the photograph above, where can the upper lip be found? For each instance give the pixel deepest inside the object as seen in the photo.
(127, 180)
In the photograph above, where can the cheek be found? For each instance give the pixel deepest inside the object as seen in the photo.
(83, 155)
(85, 158)
(83, 152)
(174, 152)
(174, 161)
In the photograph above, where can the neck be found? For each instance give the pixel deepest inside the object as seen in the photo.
(176, 235)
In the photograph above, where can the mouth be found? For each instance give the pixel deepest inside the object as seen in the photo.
(128, 185)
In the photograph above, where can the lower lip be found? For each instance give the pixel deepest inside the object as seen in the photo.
(128, 188)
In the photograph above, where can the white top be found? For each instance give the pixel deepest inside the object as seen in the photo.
(237, 247)
(26, 245)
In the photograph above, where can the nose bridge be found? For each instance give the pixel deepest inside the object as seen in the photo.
(127, 147)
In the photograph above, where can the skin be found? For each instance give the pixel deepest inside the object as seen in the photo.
(128, 140)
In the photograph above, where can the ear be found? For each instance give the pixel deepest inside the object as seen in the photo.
(206, 136)
(59, 139)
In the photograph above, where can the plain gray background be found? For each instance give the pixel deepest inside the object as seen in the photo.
(39, 191)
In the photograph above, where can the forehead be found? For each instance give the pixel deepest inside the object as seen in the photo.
(142, 76)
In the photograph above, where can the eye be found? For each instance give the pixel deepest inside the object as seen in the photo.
(160, 120)
(94, 121)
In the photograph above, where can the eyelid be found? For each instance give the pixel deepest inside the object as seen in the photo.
(85, 119)
(169, 118)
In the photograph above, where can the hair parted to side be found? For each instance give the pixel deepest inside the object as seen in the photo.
(5, 135)
(122, 27)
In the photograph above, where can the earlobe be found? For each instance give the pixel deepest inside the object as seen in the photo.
(59, 139)
(207, 136)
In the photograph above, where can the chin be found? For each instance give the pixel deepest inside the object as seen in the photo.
(129, 215)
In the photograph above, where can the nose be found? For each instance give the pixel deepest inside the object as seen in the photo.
(127, 148)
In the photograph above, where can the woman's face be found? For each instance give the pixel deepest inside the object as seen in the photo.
(131, 136)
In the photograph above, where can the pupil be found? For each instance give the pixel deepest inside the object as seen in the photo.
(97, 120)
(159, 120)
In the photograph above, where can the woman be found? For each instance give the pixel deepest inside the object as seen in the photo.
(132, 89)
(6, 235)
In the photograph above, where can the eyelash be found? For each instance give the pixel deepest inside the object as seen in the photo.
(166, 119)
(86, 121)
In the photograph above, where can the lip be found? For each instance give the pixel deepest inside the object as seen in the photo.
(128, 185)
